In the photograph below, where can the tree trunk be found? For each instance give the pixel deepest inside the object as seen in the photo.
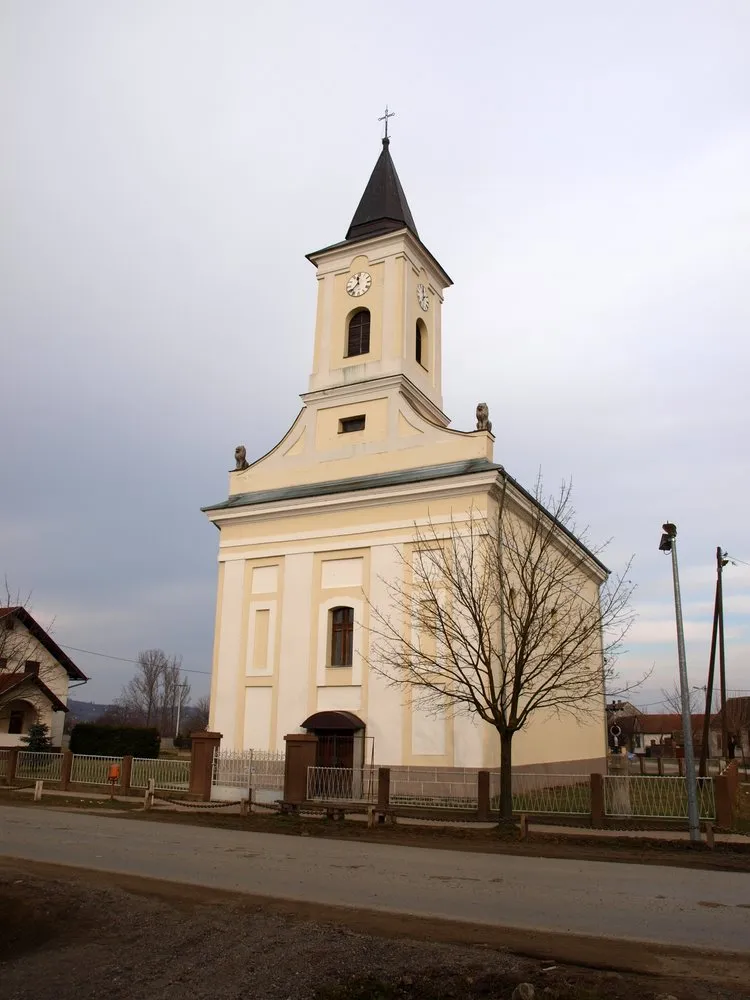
(506, 788)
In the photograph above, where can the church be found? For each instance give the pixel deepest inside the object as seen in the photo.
(313, 531)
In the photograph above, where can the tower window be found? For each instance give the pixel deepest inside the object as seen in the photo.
(349, 424)
(420, 343)
(342, 636)
(358, 338)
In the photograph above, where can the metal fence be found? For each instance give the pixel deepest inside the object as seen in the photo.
(169, 775)
(3, 763)
(249, 769)
(32, 766)
(342, 784)
(546, 794)
(434, 788)
(91, 770)
(652, 797)
(666, 766)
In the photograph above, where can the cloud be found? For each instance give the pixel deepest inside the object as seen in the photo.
(582, 177)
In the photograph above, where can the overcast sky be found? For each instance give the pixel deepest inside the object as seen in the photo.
(581, 171)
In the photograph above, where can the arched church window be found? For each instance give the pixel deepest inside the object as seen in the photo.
(342, 636)
(358, 338)
(421, 343)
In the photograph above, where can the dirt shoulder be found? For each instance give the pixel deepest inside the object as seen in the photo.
(578, 846)
(71, 935)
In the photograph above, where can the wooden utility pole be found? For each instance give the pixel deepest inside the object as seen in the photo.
(720, 564)
(717, 632)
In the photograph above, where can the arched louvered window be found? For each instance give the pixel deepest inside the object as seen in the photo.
(342, 636)
(358, 335)
(420, 344)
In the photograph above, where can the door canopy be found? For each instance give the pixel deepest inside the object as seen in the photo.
(342, 721)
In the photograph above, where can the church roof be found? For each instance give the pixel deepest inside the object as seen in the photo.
(383, 207)
(398, 477)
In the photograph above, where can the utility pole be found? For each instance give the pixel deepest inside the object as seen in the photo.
(180, 688)
(668, 543)
(722, 659)
(718, 629)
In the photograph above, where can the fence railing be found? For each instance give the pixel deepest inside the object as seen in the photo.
(169, 775)
(90, 770)
(434, 788)
(249, 769)
(342, 784)
(32, 766)
(653, 797)
(546, 794)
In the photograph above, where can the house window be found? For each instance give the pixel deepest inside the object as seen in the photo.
(349, 424)
(32, 667)
(15, 723)
(420, 341)
(342, 636)
(358, 338)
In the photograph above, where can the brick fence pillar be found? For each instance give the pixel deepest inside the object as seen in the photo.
(126, 770)
(384, 788)
(597, 800)
(10, 774)
(67, 768)
(202, 763)
(301, 751)
(483, 795)
(726, 789)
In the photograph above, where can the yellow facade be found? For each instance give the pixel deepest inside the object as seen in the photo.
(322, 522)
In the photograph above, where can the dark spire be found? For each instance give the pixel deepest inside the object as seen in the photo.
(383, 208)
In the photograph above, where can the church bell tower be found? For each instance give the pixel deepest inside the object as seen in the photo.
(380, 295)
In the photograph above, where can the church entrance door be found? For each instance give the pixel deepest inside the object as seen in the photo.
(335, 749)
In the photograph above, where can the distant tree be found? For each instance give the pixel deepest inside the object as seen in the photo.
(673, 700)
(200, 712)
(38, 739)
(151, 697)
(738, 724)
(119, 715)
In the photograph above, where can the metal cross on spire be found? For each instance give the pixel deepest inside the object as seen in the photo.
(384, 118)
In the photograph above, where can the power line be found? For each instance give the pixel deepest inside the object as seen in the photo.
(125, 659)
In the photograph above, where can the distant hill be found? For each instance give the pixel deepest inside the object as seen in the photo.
(86, 711)
(90, 711)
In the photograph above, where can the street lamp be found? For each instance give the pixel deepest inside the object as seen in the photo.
(668, 543)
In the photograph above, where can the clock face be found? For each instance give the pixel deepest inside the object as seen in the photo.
(423, 297)
(358, 283)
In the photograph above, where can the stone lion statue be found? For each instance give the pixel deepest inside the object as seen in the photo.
(483, 417)
(240, 458)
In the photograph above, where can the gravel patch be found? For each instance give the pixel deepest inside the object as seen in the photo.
(76, 938)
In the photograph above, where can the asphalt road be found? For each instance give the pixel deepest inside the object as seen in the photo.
(674, 906)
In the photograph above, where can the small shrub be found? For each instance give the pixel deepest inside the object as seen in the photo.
(39, 739)
(114, 741)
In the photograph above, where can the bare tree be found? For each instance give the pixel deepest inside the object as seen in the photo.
(738, 724)
(150, 698)
(672, 700)
(200, 712)
(503, 616)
